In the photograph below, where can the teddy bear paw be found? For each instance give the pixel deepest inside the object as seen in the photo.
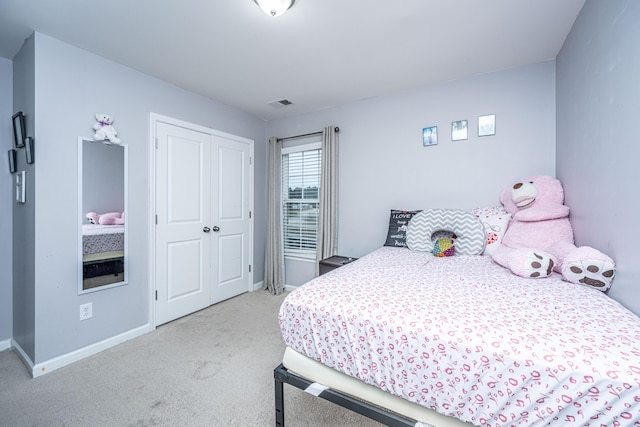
(591, 272)
(538, 265)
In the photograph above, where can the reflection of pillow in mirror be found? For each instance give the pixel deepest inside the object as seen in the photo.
(495, 220)
(110, 218)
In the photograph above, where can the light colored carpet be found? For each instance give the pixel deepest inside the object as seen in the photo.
(212, 368)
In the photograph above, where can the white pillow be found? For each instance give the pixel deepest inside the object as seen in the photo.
(495, 220)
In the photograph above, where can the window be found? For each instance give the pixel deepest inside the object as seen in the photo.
(300, 197)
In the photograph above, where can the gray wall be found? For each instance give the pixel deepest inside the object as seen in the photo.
(6, 197)
(598, 105)
(73, 85)
(383, 165)
(24, 245)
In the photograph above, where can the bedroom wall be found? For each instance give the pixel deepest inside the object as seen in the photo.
(383, 165)
(71, 86)
(6, 204)
(598, 100)
(24, 249)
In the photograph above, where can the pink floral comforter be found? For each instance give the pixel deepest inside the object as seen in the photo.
(468, 339)
(98, 238)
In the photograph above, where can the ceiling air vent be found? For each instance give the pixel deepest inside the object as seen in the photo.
(280, 103)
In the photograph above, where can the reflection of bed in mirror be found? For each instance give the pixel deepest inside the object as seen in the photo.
(102, 254)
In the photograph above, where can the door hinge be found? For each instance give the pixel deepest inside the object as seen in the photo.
(156, 295)
(249, 268)
(156, 219)
(156, 143)
(249, 214)
(250, 159)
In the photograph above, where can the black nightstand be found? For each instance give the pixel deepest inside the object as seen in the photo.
(334, 262)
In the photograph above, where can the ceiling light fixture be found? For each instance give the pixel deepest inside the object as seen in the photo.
(274, 7)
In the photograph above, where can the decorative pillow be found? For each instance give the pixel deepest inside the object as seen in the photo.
(467, 228)
(495, 220)
(398, 222)
(444, 247)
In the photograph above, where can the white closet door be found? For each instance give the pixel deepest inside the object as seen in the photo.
(203, 232)
(230, 210)
(183, 200)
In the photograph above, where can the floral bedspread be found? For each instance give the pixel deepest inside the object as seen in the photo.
(466, 338)
(98, 238)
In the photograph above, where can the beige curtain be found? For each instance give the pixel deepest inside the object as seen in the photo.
(273, 259)
(327, 244)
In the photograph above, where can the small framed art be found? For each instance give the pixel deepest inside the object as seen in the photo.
(21, 187)
(487, 125)
(19, 130)
(28, 142)
(430, 136)
(459, 130)
(12, 161)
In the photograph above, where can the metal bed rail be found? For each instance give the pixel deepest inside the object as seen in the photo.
(282, 376)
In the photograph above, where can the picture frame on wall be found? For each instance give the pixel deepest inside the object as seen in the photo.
(430, 136)
(487, 125)
(19, 129)
(21, 187)
(28, 142)
(12, 161)
(459, 130)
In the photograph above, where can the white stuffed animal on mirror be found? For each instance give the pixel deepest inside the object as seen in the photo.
(104, 130)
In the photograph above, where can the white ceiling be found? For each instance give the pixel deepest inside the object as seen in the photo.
(321, 53)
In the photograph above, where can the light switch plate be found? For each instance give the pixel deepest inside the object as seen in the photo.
(21, 186)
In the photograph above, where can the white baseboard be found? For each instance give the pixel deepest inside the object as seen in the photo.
(260, 285)
(5, 345)
(22, 355)
(40, 369)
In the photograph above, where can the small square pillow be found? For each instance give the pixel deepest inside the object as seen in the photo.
(444, 247)
(397, 232)
(495, 220)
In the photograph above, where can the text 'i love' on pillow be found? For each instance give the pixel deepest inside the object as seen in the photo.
(397, 231)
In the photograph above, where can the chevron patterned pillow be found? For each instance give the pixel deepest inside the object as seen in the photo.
(467, 227)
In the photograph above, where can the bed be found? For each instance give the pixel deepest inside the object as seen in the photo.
(102, 249)
(407, 338)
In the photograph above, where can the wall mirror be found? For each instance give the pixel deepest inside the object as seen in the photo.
(102, 202)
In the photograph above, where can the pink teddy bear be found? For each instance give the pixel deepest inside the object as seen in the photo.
(111, 218)
(539, 238)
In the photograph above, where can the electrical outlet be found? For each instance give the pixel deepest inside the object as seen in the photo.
(86, 311)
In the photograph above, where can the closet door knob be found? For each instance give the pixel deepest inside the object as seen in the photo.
(216, 228)
(206, 229)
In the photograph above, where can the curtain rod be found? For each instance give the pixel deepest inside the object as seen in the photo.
(337, 129)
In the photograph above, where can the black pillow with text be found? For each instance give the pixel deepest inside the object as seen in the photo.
(398, 222)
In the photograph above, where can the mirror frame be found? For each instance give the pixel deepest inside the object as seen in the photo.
(81, 217)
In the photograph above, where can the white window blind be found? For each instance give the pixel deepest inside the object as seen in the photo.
(301, 205)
